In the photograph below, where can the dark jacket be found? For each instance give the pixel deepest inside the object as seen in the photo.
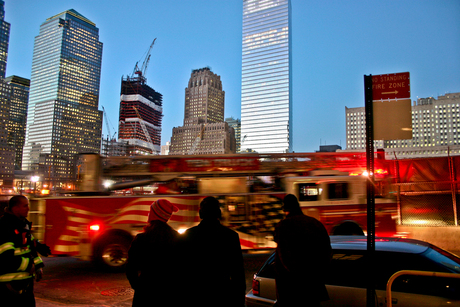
(302, 256)
(151, 265)
(18, 257)
(214, 265)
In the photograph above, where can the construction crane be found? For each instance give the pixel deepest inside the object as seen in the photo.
(109, 133)
(144, 128)
(141, 72)
(197, 141)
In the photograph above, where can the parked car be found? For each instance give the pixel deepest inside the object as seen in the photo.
(347, 282)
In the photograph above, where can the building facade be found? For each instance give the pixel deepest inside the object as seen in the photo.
(4, 39)
(63, 119)
(266, 85)
(236, 125)
(141, 107)
(6, 151)
(19, 99)
(435, 129)
(204, 130)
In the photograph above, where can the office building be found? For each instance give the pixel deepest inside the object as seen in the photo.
(435, 129)
(204, 130)
(141, 114)
(266, 85)
(6, 151)
(4, 40)
(19, 99)
(236, 125)
(165, 149)
(63, 119)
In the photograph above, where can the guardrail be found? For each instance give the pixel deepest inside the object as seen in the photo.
(412, 272)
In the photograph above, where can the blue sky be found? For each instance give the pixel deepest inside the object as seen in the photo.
(335, 43)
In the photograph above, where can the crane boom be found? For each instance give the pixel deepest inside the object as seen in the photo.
(141, 71)
(144, 128)
(109, 132)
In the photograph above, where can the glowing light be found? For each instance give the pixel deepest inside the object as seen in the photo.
(108, 183)
(181, 230)
(95, 227)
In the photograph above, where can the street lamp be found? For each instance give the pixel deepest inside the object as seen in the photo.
(34, 179)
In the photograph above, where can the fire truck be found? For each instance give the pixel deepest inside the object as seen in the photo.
(99, 221)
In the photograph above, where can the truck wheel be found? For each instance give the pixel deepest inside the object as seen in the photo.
(348, 229)
(113, 253)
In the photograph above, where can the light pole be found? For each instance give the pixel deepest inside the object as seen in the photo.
(34, 179)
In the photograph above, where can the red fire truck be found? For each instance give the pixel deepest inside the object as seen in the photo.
(100, 224)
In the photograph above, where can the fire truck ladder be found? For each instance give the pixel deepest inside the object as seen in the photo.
(144, 128)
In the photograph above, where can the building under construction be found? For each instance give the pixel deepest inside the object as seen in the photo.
(141, 113)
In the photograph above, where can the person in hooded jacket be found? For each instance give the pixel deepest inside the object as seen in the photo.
(151, 258)
(303, 254)
(20, 263)
(213, 267)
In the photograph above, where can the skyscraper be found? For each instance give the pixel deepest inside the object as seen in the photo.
(204, 130)
(6, 151)
(266, 99)
(139, 98)
(19, 99)
(63, 117)
(4, 39)
(236, 125)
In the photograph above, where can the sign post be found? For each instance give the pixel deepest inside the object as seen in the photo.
(368, 96)
(392, 121)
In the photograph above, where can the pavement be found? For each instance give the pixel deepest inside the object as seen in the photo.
(46, 303)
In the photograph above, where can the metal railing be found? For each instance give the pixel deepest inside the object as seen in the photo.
(412, 272)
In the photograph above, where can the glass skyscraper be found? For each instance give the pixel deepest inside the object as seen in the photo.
(6, 151)
(4, 39)
(266, 107)
(63, 117)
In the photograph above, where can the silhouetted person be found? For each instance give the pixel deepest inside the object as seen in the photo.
(19, 262)
(303, 254)
(214, 262)
(151, 259)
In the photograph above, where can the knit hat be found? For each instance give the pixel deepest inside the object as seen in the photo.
(162, 210)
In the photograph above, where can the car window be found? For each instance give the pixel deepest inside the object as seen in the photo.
(268, 269)
(448, 260)
(348, 268)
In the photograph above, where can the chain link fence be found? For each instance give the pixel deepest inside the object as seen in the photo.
(427, 191)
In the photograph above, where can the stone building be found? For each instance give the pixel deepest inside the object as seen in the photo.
(435, 129)
(204, 130)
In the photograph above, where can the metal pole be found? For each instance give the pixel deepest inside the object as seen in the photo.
(417, 273)
(370, 190)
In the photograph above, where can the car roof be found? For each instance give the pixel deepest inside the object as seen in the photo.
(381, 244)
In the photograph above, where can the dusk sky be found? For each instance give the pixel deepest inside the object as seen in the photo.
(334, 44)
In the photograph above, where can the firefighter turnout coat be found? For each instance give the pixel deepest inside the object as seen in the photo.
(18, 257)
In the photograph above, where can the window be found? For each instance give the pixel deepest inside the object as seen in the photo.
(337, 190)
(309, 191)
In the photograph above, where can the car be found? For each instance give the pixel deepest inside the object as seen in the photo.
(346, 275)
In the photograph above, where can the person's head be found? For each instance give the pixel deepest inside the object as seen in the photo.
(210, 208)
(19, 206)
(291, 205)
(161, 210)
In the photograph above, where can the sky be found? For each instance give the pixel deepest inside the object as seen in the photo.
(334, 44)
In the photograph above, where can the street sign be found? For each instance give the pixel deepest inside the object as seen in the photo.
(391, 86)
